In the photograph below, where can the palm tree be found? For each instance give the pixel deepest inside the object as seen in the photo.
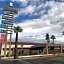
(53, 37)
(47, 38)
(16, 30)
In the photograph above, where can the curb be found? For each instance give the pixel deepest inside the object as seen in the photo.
(31, 56)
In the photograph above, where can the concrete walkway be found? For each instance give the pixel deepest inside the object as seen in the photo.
(32, 56)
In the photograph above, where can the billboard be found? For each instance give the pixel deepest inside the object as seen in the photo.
(2, 26)
(7, 8)
(2, 38)
(2, 31)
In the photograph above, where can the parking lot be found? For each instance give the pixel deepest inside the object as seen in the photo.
(53, 59)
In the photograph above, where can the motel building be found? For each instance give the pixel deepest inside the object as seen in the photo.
(30, 48)
(24, 48)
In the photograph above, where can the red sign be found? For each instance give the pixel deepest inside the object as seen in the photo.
(2, 38)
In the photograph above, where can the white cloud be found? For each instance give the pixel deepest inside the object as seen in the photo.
(53, 22)
(24, 2)
(60, 38)
(62, 15)
(28, 10)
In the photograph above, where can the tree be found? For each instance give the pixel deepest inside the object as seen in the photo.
(47, 38)
(53, 37)
(16, 30)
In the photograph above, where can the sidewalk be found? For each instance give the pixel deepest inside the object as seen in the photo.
(32, 56)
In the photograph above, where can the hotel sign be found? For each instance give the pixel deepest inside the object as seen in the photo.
(2, 31)
(7, 8)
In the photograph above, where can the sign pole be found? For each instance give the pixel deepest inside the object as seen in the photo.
(5, 42)
(8, 23)
(11, 4)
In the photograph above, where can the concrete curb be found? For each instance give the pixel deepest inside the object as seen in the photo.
(32, 56)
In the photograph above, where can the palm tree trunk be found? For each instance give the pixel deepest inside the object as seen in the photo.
(47, 42)
(15, 52)
(53, 41)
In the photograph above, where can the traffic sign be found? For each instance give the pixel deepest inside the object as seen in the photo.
(2, 31)
(3, 37)
(7, 8)
(7, 17)
(2, 26)
(6, 12)
(7, 22)
(4, 17)
(4, 21)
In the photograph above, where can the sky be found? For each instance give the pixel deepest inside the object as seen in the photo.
(37, 17)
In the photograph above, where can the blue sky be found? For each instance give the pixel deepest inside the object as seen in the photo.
(37, 17)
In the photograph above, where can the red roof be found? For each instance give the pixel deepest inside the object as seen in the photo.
(23, 43)
(27, 43)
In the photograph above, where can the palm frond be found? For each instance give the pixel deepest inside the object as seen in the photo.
(53, 37)
(18, 29)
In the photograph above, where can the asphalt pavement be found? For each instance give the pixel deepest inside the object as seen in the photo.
(3, 61)
(47, 60)
(33, 60)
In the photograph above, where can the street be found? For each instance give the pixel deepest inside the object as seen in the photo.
(47, 60)
(38, 60)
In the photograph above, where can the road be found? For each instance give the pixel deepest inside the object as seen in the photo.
(39, 60)
(13, 61)
(47, 60)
